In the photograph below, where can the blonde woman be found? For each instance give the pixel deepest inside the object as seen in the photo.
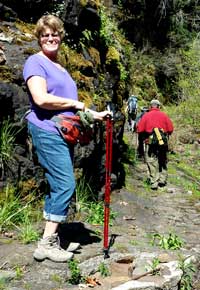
(52, 91)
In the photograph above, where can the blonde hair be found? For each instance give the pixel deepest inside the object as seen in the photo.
(49, 21)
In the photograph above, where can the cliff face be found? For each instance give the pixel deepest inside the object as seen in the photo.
(92, 60)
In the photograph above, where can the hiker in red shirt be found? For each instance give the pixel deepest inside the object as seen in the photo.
(154, 128)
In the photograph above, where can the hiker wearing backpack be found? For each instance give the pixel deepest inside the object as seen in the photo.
(53, 92)
(131, 110)
(140, 147)
(154, 129)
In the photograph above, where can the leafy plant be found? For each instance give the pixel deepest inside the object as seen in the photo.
(169, 242)
(19, 272)
(188, 270)
(104, 270)
(76, 276)
(154, 266)
(96, 214)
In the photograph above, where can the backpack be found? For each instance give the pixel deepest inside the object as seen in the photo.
(132, 104)
(158, 137)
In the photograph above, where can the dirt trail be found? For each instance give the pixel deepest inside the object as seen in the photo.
(141, 212)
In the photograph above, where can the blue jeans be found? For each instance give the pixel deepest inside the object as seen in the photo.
(56, 157)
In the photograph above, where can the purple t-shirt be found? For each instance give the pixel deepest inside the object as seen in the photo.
(59, 83)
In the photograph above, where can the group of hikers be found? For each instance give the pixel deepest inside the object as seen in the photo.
(153, 128)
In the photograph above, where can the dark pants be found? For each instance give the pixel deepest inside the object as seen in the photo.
(156, 159)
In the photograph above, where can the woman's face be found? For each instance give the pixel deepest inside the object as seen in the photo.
(50, 41)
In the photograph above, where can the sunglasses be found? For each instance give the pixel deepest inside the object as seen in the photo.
(47, 35)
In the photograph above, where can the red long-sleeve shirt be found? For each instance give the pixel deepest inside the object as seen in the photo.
(155, 119)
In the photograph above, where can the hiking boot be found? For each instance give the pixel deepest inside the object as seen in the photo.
(49, 248)
(154, 186)
(162, 183)
(73, 247)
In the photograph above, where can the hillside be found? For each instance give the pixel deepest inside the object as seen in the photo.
(111, 52)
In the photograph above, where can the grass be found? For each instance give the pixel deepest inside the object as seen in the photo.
(7, 145)
(16, 213)
(87, 203)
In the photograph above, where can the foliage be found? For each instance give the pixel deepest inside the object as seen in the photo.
(167, 242)
(96, 214)
(10, 209)
(7, 143)
(84, 193)
(104, 270)
(87, 203)
(108, 27)
(183, 24)
(75, 276)
(188, 270)
(86, 39)
(18, 213)
(153, 266)
(189, 84)
(3, 283)
(27, 232)
(19, 272)
(112, 38)
(142, 79)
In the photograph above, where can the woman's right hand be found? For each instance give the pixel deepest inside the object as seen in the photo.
(79, 105)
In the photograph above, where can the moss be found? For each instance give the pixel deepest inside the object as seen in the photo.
(112, 55)
(6, 74)
(94, 54)
(83, 81)
(74, 60)
(25, 27)
(92, 3)
(30, 51)
(86, 97)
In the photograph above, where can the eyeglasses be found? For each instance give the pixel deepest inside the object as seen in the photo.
(47, 35)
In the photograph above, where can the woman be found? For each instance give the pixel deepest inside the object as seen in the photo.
(52, 91)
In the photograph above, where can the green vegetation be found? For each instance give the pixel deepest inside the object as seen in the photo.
(3, 284)
(7, 144)
(154, 266)
(27, 232)
(96, 214)
(167, 68)
(167, 242)
(89, 206)
(104, 270)
(75, 275)
(11, 211)
(18, 214)
(188, 270)
(19, 272)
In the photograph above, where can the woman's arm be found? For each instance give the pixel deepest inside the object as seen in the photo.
(38, 89)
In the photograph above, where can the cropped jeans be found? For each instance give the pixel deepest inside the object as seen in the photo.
(56, 157)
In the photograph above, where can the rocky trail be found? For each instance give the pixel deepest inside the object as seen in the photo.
(142, 214)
